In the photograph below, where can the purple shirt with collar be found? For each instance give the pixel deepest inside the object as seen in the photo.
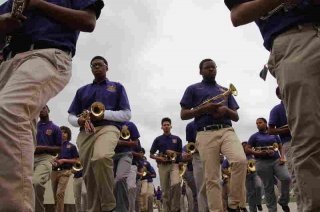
(167, 142)
(112, 94)
(198, 93)
(48, 134)
(150, 169)
(261, 139)
(191, 132)
(68, 151)
(134, 135)
(283, 19)
(278, 118)
(41, 28)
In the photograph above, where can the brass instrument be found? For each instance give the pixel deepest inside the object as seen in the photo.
(226, 173)
(232, 90)
(88, 126)
(191, 147)
(97, 109)
(172, 155)
(182, 169)
(77, 167)
(54, 158)
(18, 7)
(125, 132)
(251, 166)
(145, 171)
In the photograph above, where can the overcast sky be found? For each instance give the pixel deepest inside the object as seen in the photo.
(154, 49)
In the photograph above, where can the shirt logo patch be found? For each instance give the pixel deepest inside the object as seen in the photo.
(68, 146)
(49, 132)
(111, 88)
(174, 140)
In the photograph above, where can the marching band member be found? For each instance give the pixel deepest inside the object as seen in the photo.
(97, 144)
(36, 67)
(80, 192)
(122, 161)
(270, 163)
(49, 139)
(168, 168)
(61, 168)
(198, 172)
(215, 135)
(147, 188)
(253, 184)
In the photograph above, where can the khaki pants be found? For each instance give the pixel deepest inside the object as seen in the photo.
(59, 182)
(27, 82)
(147, 191)
(96, 151)
(41, 175)
(295, 62)
(80, 194)
(210, 144)
(170, 184)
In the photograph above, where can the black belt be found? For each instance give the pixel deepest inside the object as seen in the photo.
(213, 127)
(11, 52)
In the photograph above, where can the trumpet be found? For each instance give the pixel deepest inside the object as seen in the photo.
(125, 132)
(191, 147)
(77, 167)
(97, 109)
(251, 166)
(172, 155)
(232, 90)
(182, 169)
(88, 126)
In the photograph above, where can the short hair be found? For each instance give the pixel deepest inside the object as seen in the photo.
(46, 106)
(99, 58)
(263, 119)
(67, 130)
(165, 119)
(143, 150)
(203, 61)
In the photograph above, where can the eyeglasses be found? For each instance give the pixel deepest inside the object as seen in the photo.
(97, 65)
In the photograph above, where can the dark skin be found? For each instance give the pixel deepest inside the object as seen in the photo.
(218, 111)
(44, 117)
(82, 20)
(166, 127)
(99, 70)
(262, 126)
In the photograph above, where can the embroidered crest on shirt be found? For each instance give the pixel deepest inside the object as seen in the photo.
(174, 140)
(68, 146)
(111, 88)
(49, 132)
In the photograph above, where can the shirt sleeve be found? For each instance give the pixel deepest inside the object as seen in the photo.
(134, 132)
(231, 3)
(273, 117)
(123, 99)
(95, 5)
(186, 101)
(232, 103)
(76, 106)
(154, 146)
(252, 141)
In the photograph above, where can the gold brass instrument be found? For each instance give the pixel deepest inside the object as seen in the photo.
(232, 90)
(145, 171)
(191, 147)
(125, 132)
(226, 173)
(97, 109)
(88, 126)
(18, 7)
(251, 166)
(77, 167)
(54, 158)
(172, 155)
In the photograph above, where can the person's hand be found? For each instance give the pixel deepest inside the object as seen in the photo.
(209, 108)
(282, 161)
(81, 121)
(186, 156)
(132, 143)
(220, 112)
(11, 23)
(270, 152)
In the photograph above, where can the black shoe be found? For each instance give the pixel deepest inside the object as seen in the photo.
(233, 210)
(285, 208)
(259, 207)
(243, 210)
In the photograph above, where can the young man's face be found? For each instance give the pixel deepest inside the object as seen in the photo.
(166, 127)
(209, 70)
(44, 112)
(64, 136)
(261, 125)
(99, 68)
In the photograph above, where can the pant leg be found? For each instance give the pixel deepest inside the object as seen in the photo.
(41, 176)
(138, 191)
(198, 173)
(208, 143)
(232, 149)
(265, 172)
(84, 197)
(295, 62)
(55, 176)
(150, 197)
(62, 185)
(132, 187)
(96, 151)
(164, 173)
(121, 188)
(27, 82)
(77, 184)
(282, 173)
(251, 192)
(258, 190)
(189, 179)
(175, 188)
(144, 194)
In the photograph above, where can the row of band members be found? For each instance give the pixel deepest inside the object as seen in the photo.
(212, 132)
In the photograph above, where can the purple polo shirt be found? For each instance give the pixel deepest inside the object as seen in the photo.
(134, 135)
(48, 134)
(191, 132)
(261, 139)
(282, 20)
(167, 142)
(278, 118)
(68, 151)
(197, 93)
(112, 94)
(40, 28)
(149, 169)
(158, 194)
